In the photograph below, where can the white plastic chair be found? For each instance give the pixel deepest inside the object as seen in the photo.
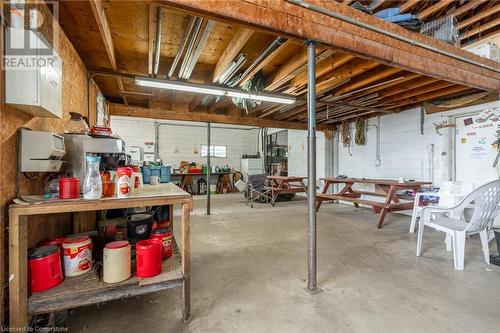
(450, 194)
(484, 202)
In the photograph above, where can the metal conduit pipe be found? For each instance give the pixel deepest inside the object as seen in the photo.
(182, 46)
(187, 56)
(347, 19)
(156, 65)
(197, 51)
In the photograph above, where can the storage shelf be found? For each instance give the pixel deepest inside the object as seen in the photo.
(89, 289)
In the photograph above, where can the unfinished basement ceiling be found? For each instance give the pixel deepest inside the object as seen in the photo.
(348, 85)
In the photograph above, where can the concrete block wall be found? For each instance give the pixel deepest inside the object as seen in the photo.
(182, 140)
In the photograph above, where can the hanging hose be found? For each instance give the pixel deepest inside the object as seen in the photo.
(346, 134)
(359, 138)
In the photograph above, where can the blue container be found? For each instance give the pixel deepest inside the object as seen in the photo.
(161, 171)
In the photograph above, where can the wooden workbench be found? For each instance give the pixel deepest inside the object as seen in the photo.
(88, 288)
(383, 188)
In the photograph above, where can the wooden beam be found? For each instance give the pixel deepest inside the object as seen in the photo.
(239, 40)
(408, 5)
(429, 96)
(135, 93)
(295, 22)
(130, 111)
(479, 16)
(440, 5)
(266, 61)
(417, 91)
(367, 78)
(102, 24)
(327, 65)
(353, 68)
(467, 7)
(407, 86)
(379, 4)
(348, 2)
(381, 86)
(484, 27)
(285, 70)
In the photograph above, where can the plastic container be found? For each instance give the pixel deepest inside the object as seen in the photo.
(116, 262)
(139, 226)
(161, 171)
(77, 255)
(123, 181)
(92, 185)
(69, 188)
(45, 269)
(165, 235)
(148, 257)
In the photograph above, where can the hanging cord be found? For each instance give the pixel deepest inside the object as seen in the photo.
(346, 134)
(359, 138)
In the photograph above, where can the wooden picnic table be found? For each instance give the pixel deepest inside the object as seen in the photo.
(285, 185)
(383, 188)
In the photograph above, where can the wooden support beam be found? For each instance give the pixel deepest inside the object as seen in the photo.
(482, 28)
(379, 4)
(436, 7)
(429, 96)
(467, 7)
(367, 78)
(135, 93)
(348, 2)
(266, 61)
(323, 67)
(284, 72)
(130, 111)
(102, 24)
(479, 16)
(239, 40)
(378, 87)
(296, 22)
(407, 86)
(417, 91)
(347, 71)
(408, 5)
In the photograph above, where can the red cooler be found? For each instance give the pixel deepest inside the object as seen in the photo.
(45, 269)
(148, 254)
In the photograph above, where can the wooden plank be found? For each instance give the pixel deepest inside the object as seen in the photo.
(379, 4)
(239, 40)
(296, 22)
(484, 27)
(408, 5)
(467, 7)
(353, 68)
(417, 91)
(325, 196)
(429, 96)
(120, 110)
(406, 86)
(266, 61)
(18, 270)
(370, 77)
(479, 16)
(436, 7)
(284, 71)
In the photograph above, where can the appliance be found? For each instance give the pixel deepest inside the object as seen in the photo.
(35, 90)
(211, 90)
(40, 151)
(251, 166)
(79, 146)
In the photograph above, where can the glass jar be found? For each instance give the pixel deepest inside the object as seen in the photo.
(76, 124)
(92, 185)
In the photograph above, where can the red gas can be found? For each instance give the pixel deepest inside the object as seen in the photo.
(45, 270)
(165, 235)
(148, 257)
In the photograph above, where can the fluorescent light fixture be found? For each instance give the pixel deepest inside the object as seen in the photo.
(211, 90)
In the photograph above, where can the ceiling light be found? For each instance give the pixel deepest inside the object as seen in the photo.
(211, 90)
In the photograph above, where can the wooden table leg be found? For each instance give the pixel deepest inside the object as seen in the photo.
(275, 195)
(18, 271)
(186, 283)
(383, 212)
(319, 201)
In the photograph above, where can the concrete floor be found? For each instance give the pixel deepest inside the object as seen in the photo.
(249, 269)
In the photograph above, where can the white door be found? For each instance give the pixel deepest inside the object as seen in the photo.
(474, 154)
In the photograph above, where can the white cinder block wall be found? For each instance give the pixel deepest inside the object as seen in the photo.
(182, 140)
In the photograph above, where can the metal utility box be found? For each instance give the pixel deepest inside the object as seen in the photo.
(33, 89)
(40, 151)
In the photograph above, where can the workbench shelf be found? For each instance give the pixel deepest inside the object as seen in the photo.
(89, 288)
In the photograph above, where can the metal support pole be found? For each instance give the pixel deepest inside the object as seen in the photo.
(208, 169)
(311, 165)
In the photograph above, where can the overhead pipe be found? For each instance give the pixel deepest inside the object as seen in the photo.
(233, 67)
(199, 48)
(311, 166)
(182, 46)
(347, 19)
(156, 65)
(187, 56)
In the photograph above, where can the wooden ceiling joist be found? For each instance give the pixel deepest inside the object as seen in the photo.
(408, 5)
(367, 78)
(428, 96)
(296, 22)
(351, 69)
(433, 9)
(239, 40)
(479, 16)
(467, 7)
(130, 111)
(417, 91)
(102, 24)
(480, 29)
